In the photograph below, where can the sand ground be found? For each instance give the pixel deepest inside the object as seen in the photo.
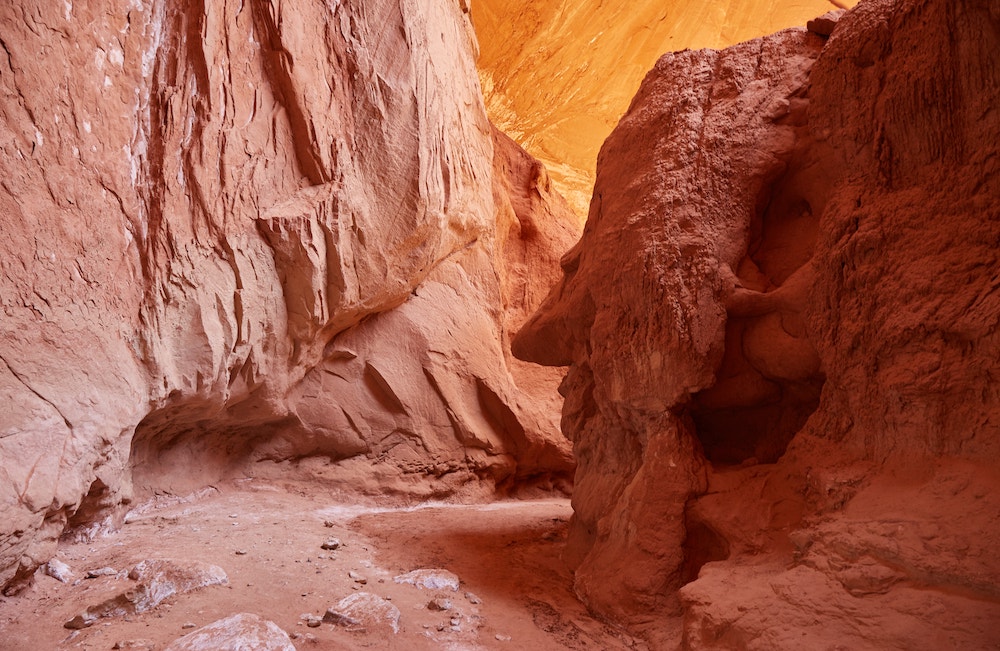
(268, 536)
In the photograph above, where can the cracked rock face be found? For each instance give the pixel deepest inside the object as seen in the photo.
(781, 327)
(246, 232)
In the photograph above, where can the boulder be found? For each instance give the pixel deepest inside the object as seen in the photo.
(156, 581)
(365, 611)
(241, 632)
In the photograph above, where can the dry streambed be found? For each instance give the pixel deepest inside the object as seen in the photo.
(291, 569)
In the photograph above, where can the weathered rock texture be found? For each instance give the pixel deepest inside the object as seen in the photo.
(155, 581)
(558, 74)
(781, 326)
(242, 632)
(245, 232)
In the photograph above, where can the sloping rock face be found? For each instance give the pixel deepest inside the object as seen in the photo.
(781, 326)
(248, 232)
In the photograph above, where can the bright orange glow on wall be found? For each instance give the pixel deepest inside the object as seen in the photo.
(558, 74)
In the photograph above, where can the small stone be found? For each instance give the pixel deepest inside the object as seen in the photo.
(331, 544)
(241, 552)
(357, 577)
(328, 523)
(233, 515)
(432, 579)
(58, 570)
(455, 621)
(103, 571)
(313, 621)
(82, 620)
(189, 625)
(134, 645)
(439, 603)
(502, 638)
(472, 599)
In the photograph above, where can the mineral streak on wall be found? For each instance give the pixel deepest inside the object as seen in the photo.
(558, 74)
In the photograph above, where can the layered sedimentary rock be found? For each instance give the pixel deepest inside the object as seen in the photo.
(781, 326)
(237, 234)
(558, 74)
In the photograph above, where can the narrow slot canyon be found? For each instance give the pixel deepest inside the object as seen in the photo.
(482, 325)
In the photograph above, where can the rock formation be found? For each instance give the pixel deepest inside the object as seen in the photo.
(240, 234)
(781, 326)
(241, 632)
(558, 74)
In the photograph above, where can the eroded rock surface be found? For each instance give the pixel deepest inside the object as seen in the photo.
(240, 234)
(155, 581)
(780, 325)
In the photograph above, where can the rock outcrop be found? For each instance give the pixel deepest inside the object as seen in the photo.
(781, 326)
(239, 234)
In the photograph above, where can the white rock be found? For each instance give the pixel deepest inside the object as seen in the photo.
(58, 570)
(242, 632)
(364, 610)
(432, 579)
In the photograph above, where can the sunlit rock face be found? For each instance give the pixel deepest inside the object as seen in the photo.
(781, 326)
(557, 75)
(242, 234)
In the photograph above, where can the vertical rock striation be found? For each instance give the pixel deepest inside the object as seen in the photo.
(781, 330)
(243, 232)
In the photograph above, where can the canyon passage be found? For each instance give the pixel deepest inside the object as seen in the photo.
(302, 348)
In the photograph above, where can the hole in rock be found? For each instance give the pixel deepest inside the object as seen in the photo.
(702, 545)
(769, 381)
(95, 503)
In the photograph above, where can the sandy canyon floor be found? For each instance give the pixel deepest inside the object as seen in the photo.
(515, 591)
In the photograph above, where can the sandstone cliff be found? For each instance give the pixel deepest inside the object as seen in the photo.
(240, 234)
(558, 74)
(781, 326)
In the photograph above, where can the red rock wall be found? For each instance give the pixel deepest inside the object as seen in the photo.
(781, 329)
(240, 234)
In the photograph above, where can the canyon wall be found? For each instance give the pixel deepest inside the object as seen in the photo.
(781, 326)
(253, 237)
(558, 74)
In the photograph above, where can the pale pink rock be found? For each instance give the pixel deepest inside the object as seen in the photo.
(155, 581)
(241, 632)
(215, 208)
(365, 611)
(430, 579)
